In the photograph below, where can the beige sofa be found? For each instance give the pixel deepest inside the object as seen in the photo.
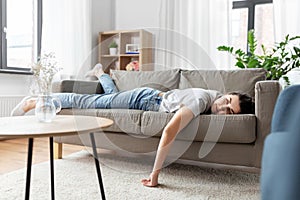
(229, 140)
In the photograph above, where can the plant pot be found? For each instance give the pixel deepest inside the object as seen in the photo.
(113, 51)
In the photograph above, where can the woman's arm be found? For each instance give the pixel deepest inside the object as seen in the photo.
(179, 121)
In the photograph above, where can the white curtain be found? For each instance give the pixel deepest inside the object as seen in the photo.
(190, 32)
(67, 32)
(286, 16)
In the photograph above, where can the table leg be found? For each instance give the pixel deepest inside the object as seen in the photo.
(52, 167)
(97, 165)
(29, 163)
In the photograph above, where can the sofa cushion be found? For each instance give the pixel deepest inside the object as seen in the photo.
(160, 80)
(214, 128)
(125, 120)
(77, 86)
(222, 80)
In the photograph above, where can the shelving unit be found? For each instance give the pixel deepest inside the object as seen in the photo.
(142, 38)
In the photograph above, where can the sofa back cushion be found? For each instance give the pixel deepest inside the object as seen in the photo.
(160, 80)
(222, 80)
(77, 86)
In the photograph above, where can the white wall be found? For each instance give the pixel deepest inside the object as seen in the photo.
(103, 13)
(136, 14)
(14, 84)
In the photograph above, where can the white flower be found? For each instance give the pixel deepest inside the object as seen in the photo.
(44, 71)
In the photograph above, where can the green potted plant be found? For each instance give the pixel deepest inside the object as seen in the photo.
(283, 57)
(113, 48)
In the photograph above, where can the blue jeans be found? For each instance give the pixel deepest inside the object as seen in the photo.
(140, 98)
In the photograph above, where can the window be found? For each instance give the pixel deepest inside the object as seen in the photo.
(253, 14)
(21, 22)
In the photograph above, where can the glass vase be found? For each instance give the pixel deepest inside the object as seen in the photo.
(47, 107)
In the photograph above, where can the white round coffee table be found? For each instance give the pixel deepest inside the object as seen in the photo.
(62, 125)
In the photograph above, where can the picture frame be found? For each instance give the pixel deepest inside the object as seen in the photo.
(132, 49)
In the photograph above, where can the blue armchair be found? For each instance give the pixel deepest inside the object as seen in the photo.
(280, 173)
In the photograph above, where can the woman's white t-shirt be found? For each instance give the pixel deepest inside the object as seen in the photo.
(198, 100)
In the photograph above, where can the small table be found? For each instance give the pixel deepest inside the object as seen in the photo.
(62, 125)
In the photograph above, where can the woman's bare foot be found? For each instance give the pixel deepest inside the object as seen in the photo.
(152, 181)
(96, 71)
(27, 104)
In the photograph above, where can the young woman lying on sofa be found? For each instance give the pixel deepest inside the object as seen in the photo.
(186, 103)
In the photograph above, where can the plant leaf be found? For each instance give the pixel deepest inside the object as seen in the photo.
(287, 80)
(225, 48)
(240, 64)
(240, 53)
(253, 63)
(252, 42)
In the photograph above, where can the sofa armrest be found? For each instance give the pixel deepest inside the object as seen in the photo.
(266, 93)
(77, 86)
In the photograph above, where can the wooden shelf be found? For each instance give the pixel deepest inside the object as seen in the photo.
(130, 55)
(123, 55)
(142, 38)
(110, 56)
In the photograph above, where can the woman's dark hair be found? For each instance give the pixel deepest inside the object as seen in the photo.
(246, 102)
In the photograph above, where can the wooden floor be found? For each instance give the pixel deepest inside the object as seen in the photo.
(13, 153)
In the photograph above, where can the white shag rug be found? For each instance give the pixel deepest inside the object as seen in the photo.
(75, 178)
